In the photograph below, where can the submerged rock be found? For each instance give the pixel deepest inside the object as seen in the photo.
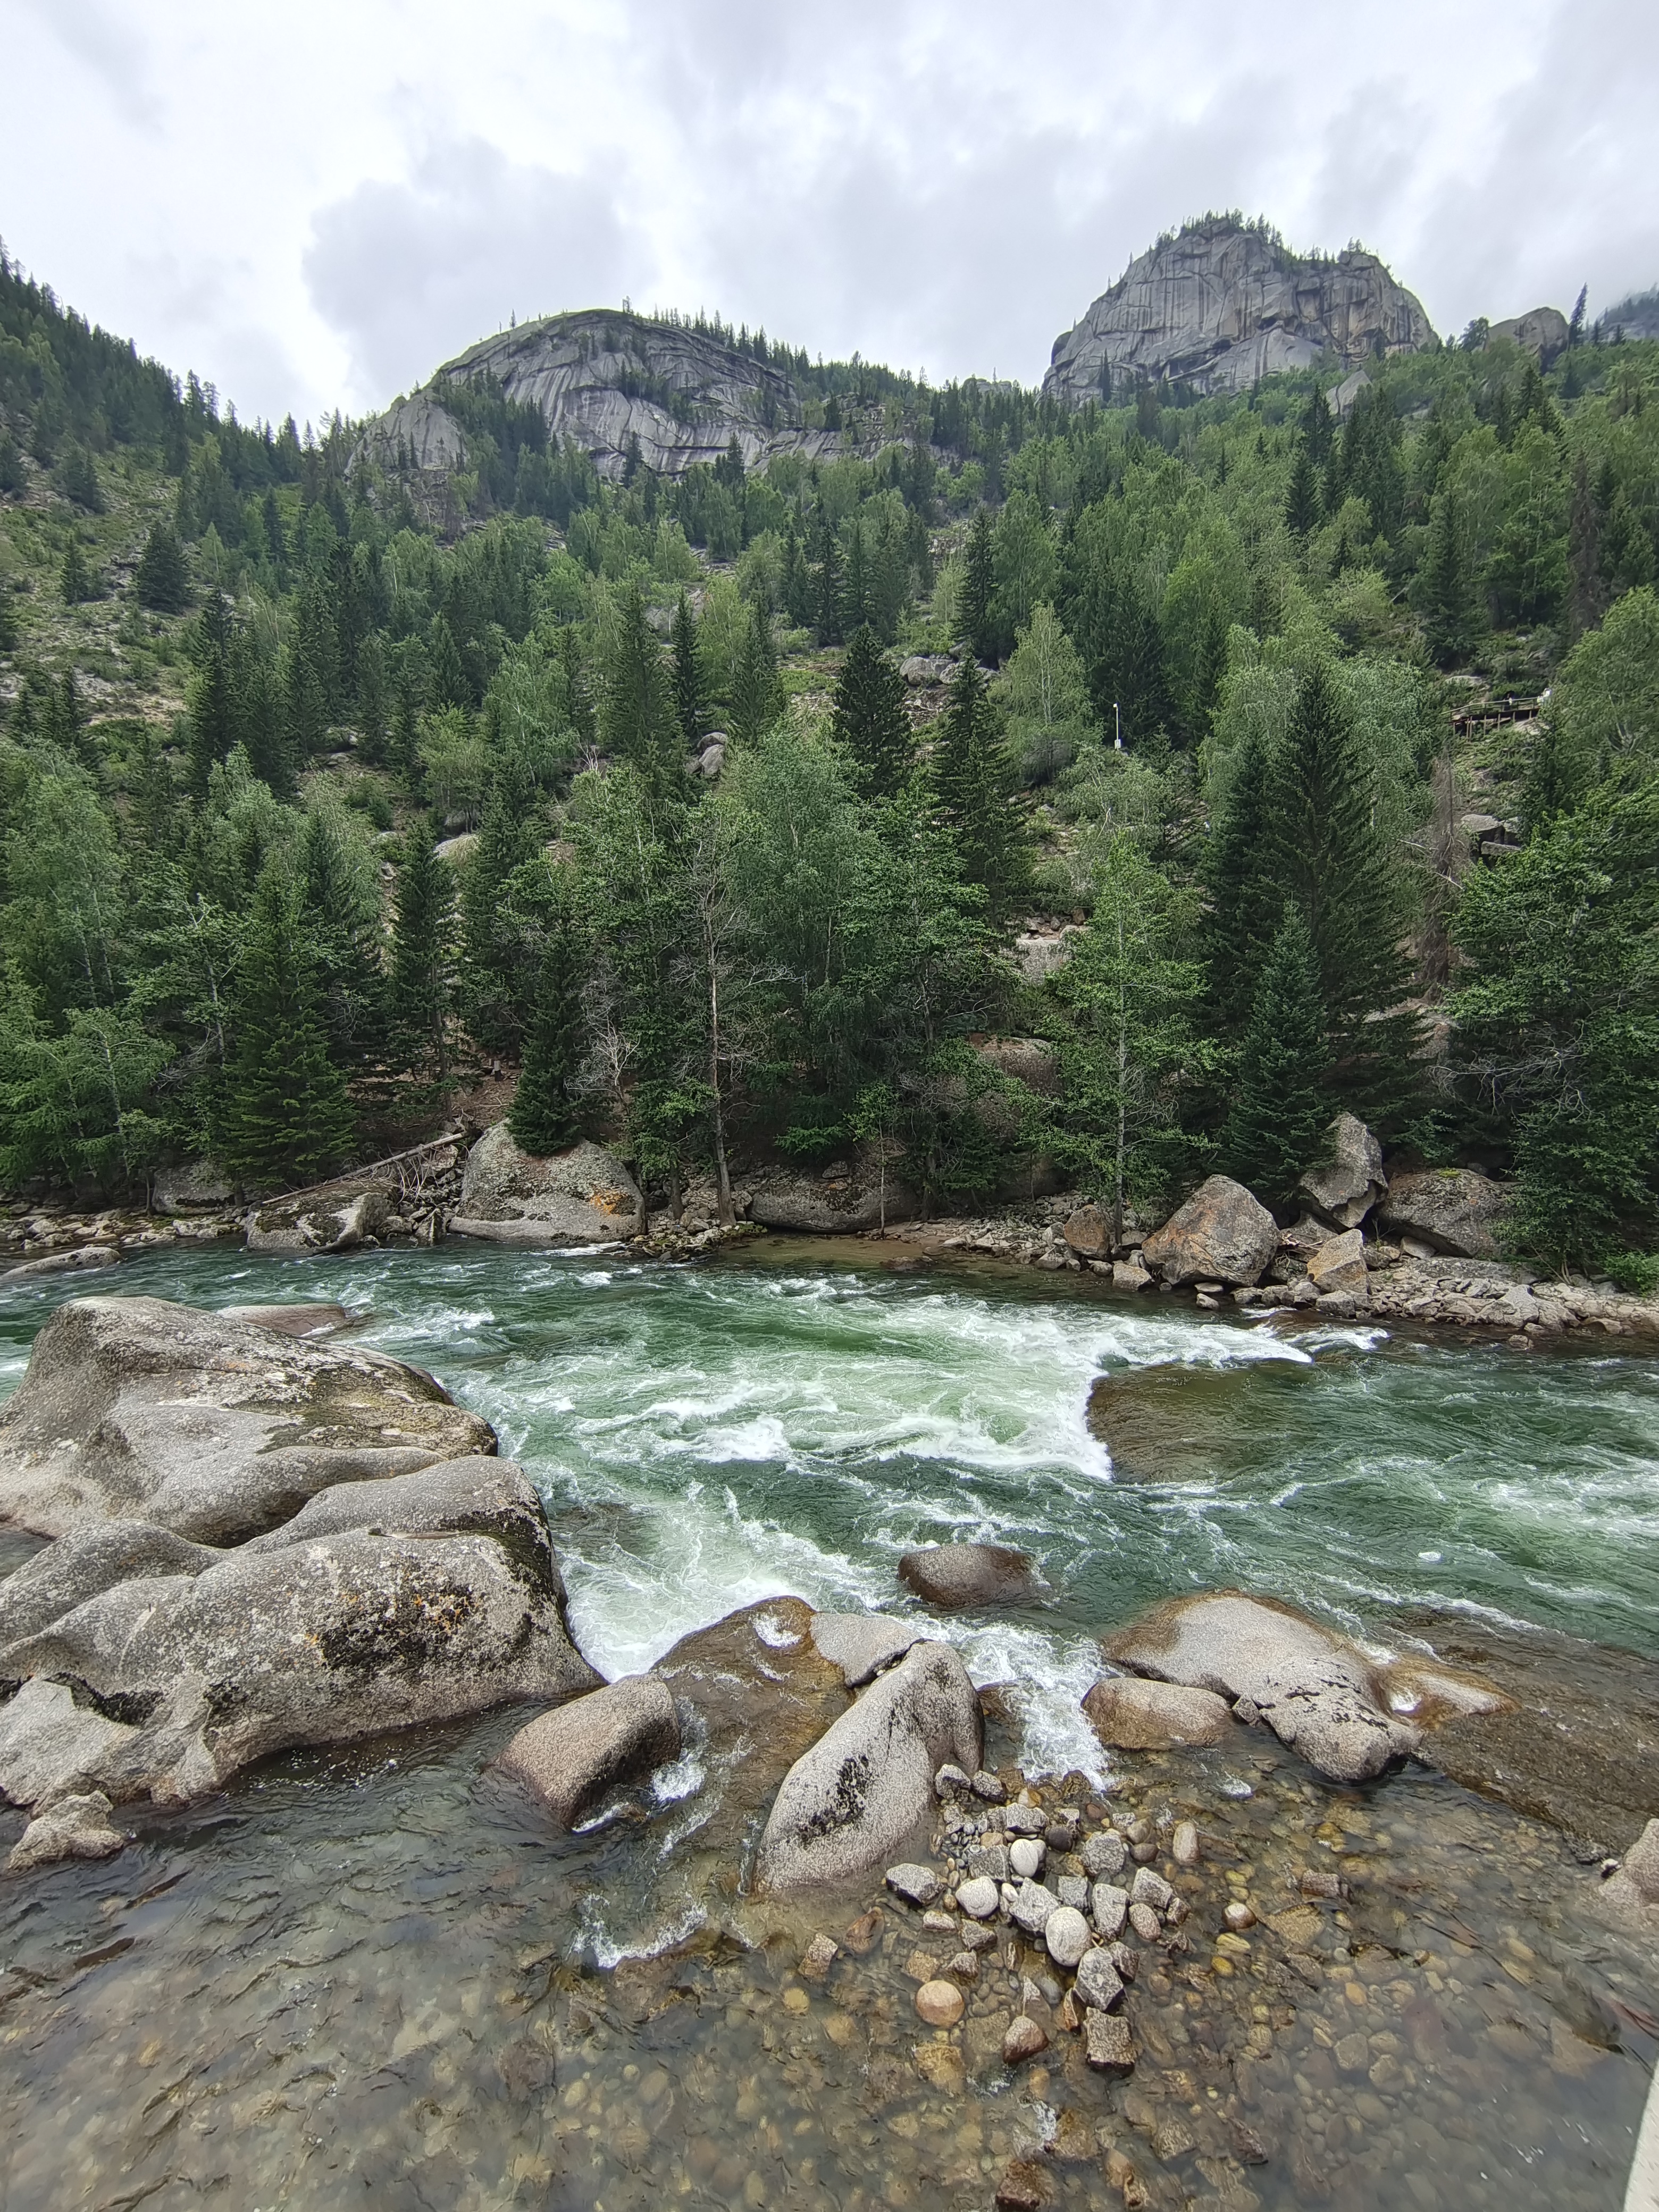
(1221, 1234)
(867, 1787)
(1317, 1693)
(581, 1196)
(64, 1263)
(72, 1829)
(1452, 1209)
(1129, 1714)
(954, 1575)
(571, 1757)
(1168, 1422)
(214, 1429)
(302, 1321)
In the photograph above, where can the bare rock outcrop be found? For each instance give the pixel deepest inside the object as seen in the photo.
(951, 1576)
(216, 1429)
(569, 1758)
(1451, 1210)
(1344, 1187)
(833, 1204)
(1223, 303)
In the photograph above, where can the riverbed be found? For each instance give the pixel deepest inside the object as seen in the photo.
(374, 1978)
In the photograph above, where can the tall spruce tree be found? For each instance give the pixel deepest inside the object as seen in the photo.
(1302, 499)
(975, 625)
(508, 837)
(161, 581)
(1335, 866)
(75, 582)
(212, 704)
(1281, 1112)
(423, 963)
(639, 725)
(868, 717)
(756, 701)
(340, 912)
(1245, 898)
(690, 703)
(971, 781)
(1448, 597)
(547, 1110)
(283, 1117)
(830, 580)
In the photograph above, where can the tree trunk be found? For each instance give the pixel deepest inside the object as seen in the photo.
(1122, 1089)
(722, 1177)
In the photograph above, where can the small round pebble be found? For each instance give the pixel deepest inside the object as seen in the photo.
(1024, 2041)
(979, 1897)
(1067, 1934)
(1239, 1916)
(940, 2004)
(1026, 1857)
(1183, 1845)
(1146, 1923)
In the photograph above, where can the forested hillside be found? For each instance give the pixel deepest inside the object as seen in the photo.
(1284, 763)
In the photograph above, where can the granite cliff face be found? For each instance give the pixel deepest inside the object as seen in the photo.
(605, 378)
(1222, 304)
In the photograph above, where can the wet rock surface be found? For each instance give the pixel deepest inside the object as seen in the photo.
(569, 1758)
(1129, 1714)
(1221, 1234)
(582, 1196)
(138, 1407)
(951, 1576)
(1172, 1422)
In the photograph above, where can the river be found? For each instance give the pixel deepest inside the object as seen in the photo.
(314, 1991)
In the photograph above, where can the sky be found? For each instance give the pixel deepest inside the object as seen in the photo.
(312, 206)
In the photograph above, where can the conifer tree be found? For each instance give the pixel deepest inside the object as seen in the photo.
(1301, 500)
(547, 1115)
(1246, 900)
(971, 781)
(371, 700)
(1317, 427)
(855, 595)
(827, 622)
(868, 717)
(449, 686)
(341, 916)
(799, 600)
(974, 623)
(1447, 592)
(423, 964)
(508, 837)
(1333, 864)
(283, 1117)
(212, 720)
(690, 705)
(639, 725)
(1281, 1110)
(407, 741)
(757, 700)
(75, 577)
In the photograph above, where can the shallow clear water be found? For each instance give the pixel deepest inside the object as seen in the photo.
(332, 1991)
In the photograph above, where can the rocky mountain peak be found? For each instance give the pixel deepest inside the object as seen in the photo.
(1224, 302)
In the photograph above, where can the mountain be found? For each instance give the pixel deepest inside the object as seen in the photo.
(1224, 302)
(1637, 317)
(623, 387)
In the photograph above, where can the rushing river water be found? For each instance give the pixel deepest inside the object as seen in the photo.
(374, 1978)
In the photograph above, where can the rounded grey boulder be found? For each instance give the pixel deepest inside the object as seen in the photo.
(1221, 1234)
(571, 1757)
(865, 1788)
(581, 1196)
(862, 1643)
(953, 1575)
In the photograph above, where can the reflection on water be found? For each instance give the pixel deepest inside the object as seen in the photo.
(376, 1978)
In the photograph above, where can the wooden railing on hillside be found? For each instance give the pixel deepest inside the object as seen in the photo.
(1496, 714)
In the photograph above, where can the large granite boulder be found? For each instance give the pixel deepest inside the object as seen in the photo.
(582, 1196)
(476, 1496)
(193, 1187)
(865, 1788)
(62, 1263)
(217, 1429)
(1343, 1188)
(89, 1560)
(571, 1757)
(1317, 1690)
(1221, 1235)
(1338, 1267)
(1451, 1210)
(1223, 304)
(335, 1221)
(838, 1203)
(861, 1644)
(1129, 1714)
(317, 1642)
(951, 1576)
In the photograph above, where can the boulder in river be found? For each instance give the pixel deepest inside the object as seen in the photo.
(861, 1644)
(865, 1789)
(338, 1220)
(137, 1408)
(571, 1757)
(1339, 1266)
(1129, 1714)
(88, 1561)
(1222, 1235)
(317, 1642)
(1344, 1187)
(317, 1319)
(1317, 1690)
(64, 1263)
(1168, 1422)
(1453, 1210)
(1089, 1233)
(581, 1196)
(951, 1576)
(192, 1187)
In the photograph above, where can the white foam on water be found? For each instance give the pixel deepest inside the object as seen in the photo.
(607, 1950)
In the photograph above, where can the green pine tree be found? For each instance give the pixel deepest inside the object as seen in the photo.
(830, 592)
(212, 721)
(973, 613)
(1447, 596)
(508, 837)
(372, 732)
(75, 578)
(407, 741)
(868, 717)
(161, 581)
(1245, 898)
(341, 911)
(1281, 1110)
(422, 962)
(690, 705)
(756, 702)
(547, 1113)
(855, 592)
(971, 781)
(1302, 499)
(283, 1116)
(639, 724)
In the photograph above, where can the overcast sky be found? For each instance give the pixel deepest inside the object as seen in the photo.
(314, 205)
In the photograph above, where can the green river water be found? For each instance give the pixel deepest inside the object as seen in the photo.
(373, 1978)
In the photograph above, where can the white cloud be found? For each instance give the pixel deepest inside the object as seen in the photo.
(313, 206)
